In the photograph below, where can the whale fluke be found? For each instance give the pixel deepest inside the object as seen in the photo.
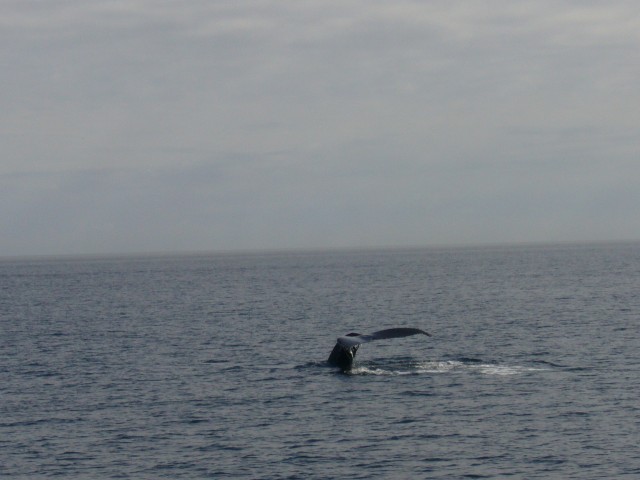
(346, 347)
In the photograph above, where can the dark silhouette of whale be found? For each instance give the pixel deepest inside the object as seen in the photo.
(346, 347)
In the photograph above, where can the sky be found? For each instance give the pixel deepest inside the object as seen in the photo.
(141, 126)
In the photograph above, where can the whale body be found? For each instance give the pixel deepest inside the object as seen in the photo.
(346, 347)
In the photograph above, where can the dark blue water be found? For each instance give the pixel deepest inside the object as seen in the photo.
(213, 366)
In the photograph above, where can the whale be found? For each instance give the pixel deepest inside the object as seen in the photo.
(344, 352)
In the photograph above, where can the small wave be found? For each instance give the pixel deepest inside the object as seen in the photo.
(550, 364)
(311, 365)
(468, 360)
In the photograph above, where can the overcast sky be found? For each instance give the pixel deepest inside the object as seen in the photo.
(154, 126)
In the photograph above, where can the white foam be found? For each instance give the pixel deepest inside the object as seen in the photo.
(435, 367)
(410, 369)
(369, 371)
(504, 370)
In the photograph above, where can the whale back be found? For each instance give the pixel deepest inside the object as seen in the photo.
(342, 356)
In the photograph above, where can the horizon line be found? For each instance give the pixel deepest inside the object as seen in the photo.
(311, 250)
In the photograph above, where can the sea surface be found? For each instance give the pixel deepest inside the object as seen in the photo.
(213, 366)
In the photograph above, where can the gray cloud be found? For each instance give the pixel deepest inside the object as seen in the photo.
(145, 126)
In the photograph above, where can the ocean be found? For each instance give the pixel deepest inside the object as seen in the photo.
(214, 366)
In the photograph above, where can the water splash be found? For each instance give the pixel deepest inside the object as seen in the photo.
(505, 370)
(392, 368)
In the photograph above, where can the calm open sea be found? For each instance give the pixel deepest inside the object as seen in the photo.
(213, 366)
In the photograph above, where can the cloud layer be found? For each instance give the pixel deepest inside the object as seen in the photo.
(159, 125)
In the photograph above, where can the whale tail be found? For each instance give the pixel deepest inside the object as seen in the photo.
(344, 352)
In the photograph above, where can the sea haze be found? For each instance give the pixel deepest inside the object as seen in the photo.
(214, 366)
